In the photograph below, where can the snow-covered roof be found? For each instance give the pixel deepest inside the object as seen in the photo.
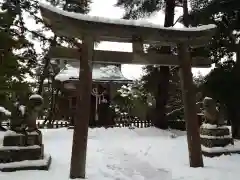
(35, 96)
(99, 73)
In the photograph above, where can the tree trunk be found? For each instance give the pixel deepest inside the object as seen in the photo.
(233, 108)
(49, 117)
(234, 124)
(160, 120)
(233, 116)
(46, 65)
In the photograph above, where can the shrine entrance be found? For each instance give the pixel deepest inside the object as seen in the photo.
(91, 29)
(100, 98)
(106, 80)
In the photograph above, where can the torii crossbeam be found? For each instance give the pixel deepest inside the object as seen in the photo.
(117, 57)
(91, 29)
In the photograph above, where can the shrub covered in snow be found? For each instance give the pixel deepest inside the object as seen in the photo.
(133, 100)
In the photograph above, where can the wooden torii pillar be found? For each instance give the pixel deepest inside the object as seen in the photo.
(90, 29)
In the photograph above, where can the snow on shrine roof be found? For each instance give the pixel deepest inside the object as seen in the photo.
(140, 23)
(99, 73)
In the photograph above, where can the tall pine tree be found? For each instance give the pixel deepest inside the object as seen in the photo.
(225, 78)
(18, 56)
(142, 8)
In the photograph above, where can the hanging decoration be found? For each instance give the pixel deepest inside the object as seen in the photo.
(99, 99)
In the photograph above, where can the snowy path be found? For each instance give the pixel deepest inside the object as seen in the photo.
(132, 168)
(123, 154)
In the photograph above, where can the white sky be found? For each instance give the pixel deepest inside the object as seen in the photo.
(107, 9)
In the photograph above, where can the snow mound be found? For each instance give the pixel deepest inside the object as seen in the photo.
(129, 154)
(212, 126)
(10, 133)
(228, 148)
(5, 111)
(26, 163)
(35, 96)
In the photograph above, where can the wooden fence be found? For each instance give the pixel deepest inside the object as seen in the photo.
(55, 125)
(132, 123)
(119, 122)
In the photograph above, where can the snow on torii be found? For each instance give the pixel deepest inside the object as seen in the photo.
(90, 29)
(119, 30)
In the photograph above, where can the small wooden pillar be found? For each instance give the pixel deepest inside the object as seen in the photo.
(190, 111)
(80, 134)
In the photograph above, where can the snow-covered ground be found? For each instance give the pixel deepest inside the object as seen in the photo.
(129, 154)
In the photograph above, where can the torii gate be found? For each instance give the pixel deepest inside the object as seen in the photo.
(90, 29)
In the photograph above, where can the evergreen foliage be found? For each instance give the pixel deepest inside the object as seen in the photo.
(223, 82)
(18, 56)
(136, 9)
(157, 79)
(19, 60)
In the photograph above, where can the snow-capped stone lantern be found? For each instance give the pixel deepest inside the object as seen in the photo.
(216, 138)
(23, 141)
